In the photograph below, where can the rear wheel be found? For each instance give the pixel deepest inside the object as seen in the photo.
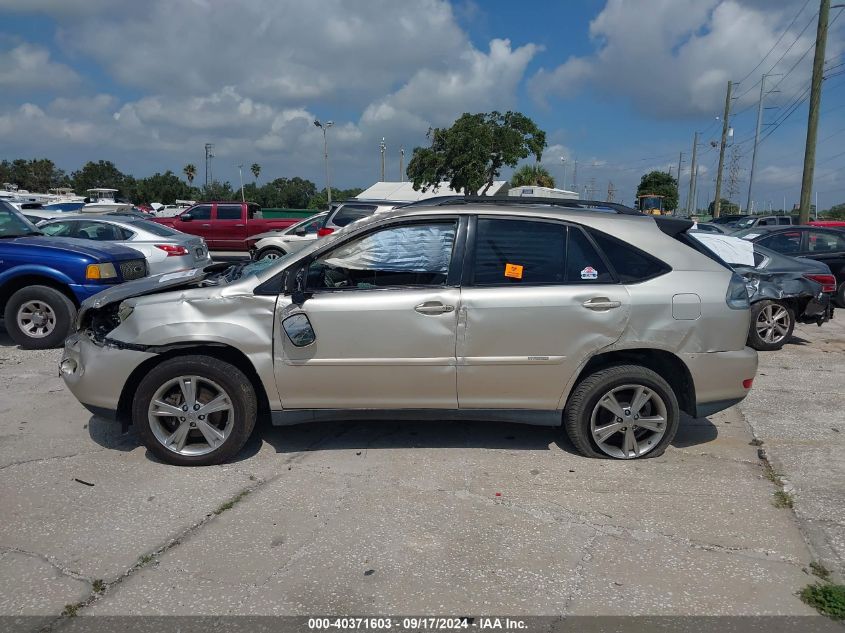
(194, 410)
(39, 317)
(622, 412)
(772, 324)
(840, 295)
(270, 253)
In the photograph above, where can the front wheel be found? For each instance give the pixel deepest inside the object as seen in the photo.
(270, 253)
(622, 412)
(39, 317)
(194, 410)
(772, 324)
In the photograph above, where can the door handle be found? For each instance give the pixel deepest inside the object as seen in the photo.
(240, 225)
(433, 307)
(601, 303)
(206, 226)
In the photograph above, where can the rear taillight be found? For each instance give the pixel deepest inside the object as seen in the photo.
(737, 295)
(828, 282)
(324, 231)
(172, 251)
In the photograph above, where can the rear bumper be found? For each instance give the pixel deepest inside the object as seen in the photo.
(818, 310)
(718, 378)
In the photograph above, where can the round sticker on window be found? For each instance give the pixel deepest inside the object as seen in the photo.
(589, 273)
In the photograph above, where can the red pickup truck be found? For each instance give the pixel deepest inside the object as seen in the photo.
(225, 226)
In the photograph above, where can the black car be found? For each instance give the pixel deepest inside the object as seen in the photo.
(826, 245)
(728, 220)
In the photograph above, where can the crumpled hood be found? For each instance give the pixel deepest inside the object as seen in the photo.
(98, 251)
(148, 285)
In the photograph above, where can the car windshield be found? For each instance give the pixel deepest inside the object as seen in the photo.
(155, 228)
(745, 223)
(13, 224)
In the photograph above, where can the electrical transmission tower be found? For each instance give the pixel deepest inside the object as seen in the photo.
(611, 191)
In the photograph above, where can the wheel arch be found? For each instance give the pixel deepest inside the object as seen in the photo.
(13, 284)
(666, 364)
(220, 351)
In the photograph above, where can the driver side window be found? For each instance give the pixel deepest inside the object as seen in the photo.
(408, 255)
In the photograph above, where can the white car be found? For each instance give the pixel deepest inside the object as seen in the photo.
(276, 244)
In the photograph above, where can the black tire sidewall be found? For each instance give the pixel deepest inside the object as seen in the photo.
(63, 308)
(840, 295)
(269, 249)
(754, 339)
(230, 378)
(587, 393)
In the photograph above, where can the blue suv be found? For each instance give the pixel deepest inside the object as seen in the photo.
(44, 279)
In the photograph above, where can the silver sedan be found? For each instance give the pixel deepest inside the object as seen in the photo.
(165, 249)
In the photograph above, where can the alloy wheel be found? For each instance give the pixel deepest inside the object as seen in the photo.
(772, 323)
(36, 319)
(191, 415)
(628, 421)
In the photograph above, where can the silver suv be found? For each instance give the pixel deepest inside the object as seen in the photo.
(604, 321)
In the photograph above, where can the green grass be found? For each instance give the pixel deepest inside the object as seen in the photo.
(70, 610)
(783, 499)
(146, 558)
(826, 598)
(231, 503)
(98, 586)
(820, 570)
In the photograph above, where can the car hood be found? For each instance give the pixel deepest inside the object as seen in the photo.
(151, 285)
(97, 251)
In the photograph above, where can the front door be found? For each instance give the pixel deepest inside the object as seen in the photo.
(229, 227)
(536, 302)
(377, 329)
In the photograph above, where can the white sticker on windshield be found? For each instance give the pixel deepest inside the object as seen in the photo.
(751, 236)
(589, 273)
(179, 275)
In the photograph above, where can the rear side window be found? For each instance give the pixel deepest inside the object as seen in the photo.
(155, 228)
(584, 265)
(349, 213)
(824, 242)
(519, 252)
(631, 264)
(782, 242)
(228, 212)
(784, 220)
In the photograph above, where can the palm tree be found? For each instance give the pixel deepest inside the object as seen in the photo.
(190, 171)
(255, 169)
(535, 175)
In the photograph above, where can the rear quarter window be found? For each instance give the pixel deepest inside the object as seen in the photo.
(348, 214)
(630, 263)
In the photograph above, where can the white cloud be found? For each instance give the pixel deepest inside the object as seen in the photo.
(29, 67)
(673, 58)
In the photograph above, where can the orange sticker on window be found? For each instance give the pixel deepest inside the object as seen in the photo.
(514, 271)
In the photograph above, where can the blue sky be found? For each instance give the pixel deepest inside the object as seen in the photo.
(619, 85)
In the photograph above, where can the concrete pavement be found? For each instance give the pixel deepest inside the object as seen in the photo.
(383, 517)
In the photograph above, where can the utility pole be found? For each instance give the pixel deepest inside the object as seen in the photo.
(575, 176)
(813, 118)
(718, 198)
(563, 162)
(382, 148)
(401, 164)
(324, 127)
(241, 176)
(691, 194)
(695, 192)
(680, 162)
(756, 138)
(209, 154)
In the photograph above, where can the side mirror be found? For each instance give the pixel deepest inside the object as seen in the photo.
(186, 217)
(300, 232)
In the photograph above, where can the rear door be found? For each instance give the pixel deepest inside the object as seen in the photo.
(827, 247)
(229, 227)
(536, 300)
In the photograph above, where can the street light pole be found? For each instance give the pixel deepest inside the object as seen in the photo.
(241, 175)
(325, 127)
(383, 148)
(563, 162)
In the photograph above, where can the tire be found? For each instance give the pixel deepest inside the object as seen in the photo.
(233, 420)
(839, 298)
(39, 317)
(269, 253)
(583, 415)
(772, 323)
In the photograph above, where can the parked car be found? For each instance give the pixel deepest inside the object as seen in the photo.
(225, 226)
(782, 290)
(607, 322)
(165, 249)
(729, 220)
(707, 227)
(830, 224)
(826, 245)
(43, 279)
(345, 213)
(750, 221)
(39, 215)
(276, 244)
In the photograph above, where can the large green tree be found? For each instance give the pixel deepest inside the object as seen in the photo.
(659, 183)
(532, 175)
(101, 174)
(471, 153)
(166, 188)
(36, 175)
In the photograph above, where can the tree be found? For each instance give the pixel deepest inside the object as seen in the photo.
(472, 152)
(319, 200)
(36, 175)
(166, 188)
(217, 191)
(659, 183)
(535, 175)
(255, 169)
(190, 171)
(103, 173)
(725, 208)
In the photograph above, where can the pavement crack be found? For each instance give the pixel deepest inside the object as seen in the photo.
(64, 571)
(54, 458)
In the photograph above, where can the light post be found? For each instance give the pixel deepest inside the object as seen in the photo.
(241, 174)
(563, 162)
(325, 127)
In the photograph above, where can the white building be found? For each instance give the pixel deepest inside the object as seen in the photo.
(404, 191)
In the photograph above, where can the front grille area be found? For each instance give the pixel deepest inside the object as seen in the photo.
(133, 269)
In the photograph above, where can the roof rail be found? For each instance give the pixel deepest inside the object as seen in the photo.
(568, 203)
